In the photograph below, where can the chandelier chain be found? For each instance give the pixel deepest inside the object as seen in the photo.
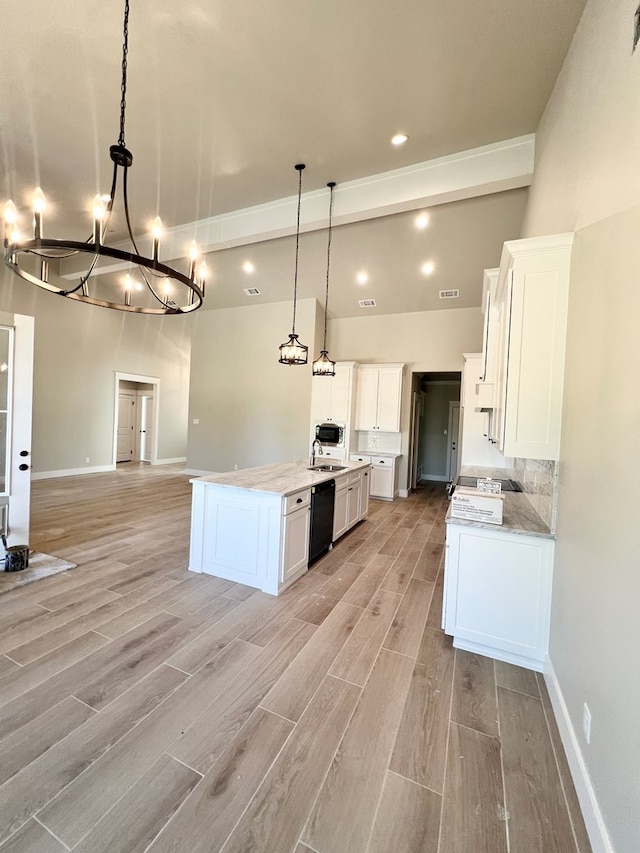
(123, 85)
(326, 297)
(295, 275)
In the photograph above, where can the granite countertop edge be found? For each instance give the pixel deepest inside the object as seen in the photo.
(282, 479)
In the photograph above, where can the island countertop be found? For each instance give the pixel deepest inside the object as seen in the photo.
(283, 478)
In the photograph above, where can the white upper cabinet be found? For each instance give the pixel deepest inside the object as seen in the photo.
(379, 396)
(332, 396)
(531, 316)
(485, 387)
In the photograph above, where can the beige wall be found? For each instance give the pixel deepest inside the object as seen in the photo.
(78, 350)
(251, 409)
(587, 179)
(425, 341)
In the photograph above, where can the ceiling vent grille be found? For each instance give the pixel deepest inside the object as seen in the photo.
(449, 294)
(251, 291)
(367, 303)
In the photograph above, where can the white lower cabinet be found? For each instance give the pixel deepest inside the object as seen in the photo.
(497, 596)
(295, 542)
(340, 508)
(351, 501)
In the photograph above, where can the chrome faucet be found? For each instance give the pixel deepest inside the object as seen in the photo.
(312, 461)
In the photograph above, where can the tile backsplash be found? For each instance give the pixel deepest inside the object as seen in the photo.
(539, 480)
(386, 442)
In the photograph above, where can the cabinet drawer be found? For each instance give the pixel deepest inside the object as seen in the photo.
(297, 501)
(360, 457)
(354, 478)
(377, 460)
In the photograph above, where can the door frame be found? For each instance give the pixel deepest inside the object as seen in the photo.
(453, 404)
(147, 380)
(19, 425)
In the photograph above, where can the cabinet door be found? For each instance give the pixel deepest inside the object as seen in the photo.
(381, 481)
(340, 518)
(340, 395)
(296, 542)
(367, 399)
(320, 399)
(503, 319)
(353, 504)
(365, 482)
(533, 404)
(389, 392)
(498, 593)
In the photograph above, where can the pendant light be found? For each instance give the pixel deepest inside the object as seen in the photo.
(323, 366)
(36, 260)
(292, 351)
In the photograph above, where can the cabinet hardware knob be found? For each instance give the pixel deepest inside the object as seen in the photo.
(24, 453)
(23, 467)
(299, 501)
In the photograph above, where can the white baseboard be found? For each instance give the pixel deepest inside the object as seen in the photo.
(594, 822)
(175, 461)
(404, 493)
(439, 478)
(71, 472)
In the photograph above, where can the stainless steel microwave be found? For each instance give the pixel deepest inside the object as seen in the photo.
(331, 434)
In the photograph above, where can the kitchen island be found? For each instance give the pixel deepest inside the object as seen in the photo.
(498, 578)
(252, 526)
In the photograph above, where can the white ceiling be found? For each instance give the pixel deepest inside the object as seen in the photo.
(225, 97)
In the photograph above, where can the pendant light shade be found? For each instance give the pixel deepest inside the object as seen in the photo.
(161, 289)
(293, 351)
(323, 366)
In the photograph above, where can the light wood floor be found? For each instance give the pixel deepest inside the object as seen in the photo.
(144, 708)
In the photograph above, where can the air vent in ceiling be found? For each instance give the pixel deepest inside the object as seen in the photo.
(251, 291)
(367, 303)
(449, 294)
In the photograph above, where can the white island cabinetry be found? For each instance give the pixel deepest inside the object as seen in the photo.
(253, 526)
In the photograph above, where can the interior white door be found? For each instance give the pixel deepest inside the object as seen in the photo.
(452, 447)
(126, 426)
(16, 400)
(145, 411)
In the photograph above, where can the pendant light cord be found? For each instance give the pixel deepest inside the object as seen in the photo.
(123, 85)
(326, 297)
(299, 167)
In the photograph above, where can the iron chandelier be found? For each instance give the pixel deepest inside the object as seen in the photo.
(36, 259)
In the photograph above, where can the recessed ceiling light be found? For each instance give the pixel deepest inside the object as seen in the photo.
(427, 268)
(248, 267)
(399, 139)
(362, 277)
(422, 220)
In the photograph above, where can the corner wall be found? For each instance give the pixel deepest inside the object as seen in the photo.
(78, 350)
(251, 409)
(587, 179)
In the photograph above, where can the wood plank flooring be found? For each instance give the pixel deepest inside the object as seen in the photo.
(143, 708)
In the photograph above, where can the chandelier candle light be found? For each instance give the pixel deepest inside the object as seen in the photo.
(323, 366)
(292, 351)
(30, 259)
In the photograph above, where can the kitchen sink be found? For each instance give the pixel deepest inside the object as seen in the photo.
(327, 467)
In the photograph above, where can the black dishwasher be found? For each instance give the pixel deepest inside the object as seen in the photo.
(322, 500)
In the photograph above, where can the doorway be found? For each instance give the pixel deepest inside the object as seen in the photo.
(16, 399)
(434, 426)
(136, 418)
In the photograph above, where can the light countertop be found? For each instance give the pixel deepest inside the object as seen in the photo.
(375, 453)
(283, 478)
(518, 514)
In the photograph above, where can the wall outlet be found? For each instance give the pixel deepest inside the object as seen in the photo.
(586, 723)
(87, 460)
(235, 467)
